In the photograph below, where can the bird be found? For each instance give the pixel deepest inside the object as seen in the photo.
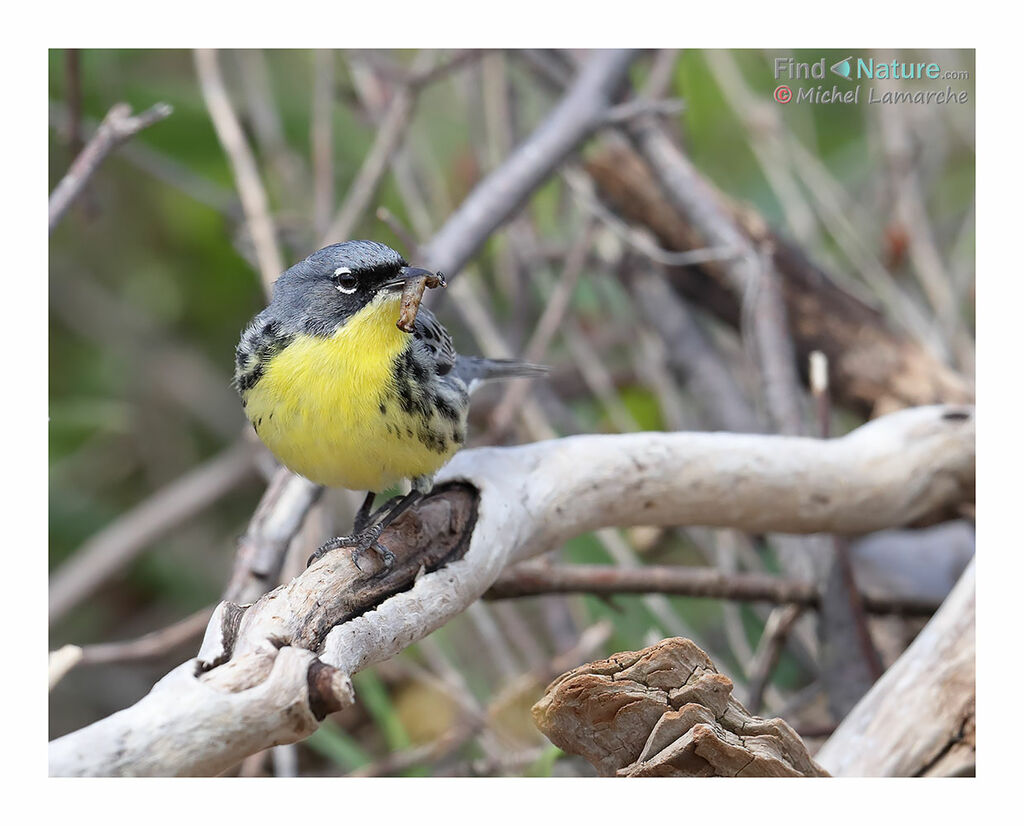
(344, 397)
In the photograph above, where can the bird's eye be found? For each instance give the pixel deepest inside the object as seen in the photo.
(345, 281)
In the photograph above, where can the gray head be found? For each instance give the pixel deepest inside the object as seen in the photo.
(321, 293)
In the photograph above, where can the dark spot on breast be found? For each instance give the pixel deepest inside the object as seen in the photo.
(433, 441)
(820, 499)
(446, 410)
(248, 380)
(383, 409)
(956, 415)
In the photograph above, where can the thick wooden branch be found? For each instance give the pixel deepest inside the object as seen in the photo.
(494, 506)
(578, 114)
(918, 719)
(874, 369)
(666, 712)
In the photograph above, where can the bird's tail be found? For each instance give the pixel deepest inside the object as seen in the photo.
(474, 370)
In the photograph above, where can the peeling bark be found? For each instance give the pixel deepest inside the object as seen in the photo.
(666, 712)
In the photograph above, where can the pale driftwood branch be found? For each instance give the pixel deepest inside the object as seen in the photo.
(666, 712)
(495, 506)
(918, 719)
(261, 700)
(910, 467)
(118, 126)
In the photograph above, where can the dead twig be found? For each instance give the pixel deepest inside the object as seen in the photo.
(117, 127)
(243, 165)
(147, 647)
(109, 551)
(766, 657)
(534, 579)
(579, 113)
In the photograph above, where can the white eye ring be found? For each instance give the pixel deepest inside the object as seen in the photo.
(346, 290)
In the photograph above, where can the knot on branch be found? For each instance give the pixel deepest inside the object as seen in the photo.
(329, 689)
(666, 712)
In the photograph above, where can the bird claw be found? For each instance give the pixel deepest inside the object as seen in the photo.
(360, 543)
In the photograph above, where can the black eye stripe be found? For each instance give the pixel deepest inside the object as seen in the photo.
(363, 275)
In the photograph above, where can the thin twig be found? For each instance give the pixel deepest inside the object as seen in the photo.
(261, 551)
(243, 166)
(532, 579)
(766, 657)
(692, 355)
(554, 312)
(323, 138)
(147, 647)
(637, 240)
(109, 551)
(389, 136)
(117, 127)
(490, 204)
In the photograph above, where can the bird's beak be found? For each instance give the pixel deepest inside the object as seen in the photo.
(408, 274)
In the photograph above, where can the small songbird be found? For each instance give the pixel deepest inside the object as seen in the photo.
(344, 397)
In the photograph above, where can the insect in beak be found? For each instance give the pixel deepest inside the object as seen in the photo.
(407, 274)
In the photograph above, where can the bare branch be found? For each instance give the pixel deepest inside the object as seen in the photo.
(155, 644)
(493, 507)
(243, 166)
(579, 113)
(109, 551)
(117, 127)
(918, 719)
(705, 583)
(277, 520)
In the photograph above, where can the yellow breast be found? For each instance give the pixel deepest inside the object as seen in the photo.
(329, 409)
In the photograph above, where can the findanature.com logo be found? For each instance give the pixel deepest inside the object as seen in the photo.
(855, 69)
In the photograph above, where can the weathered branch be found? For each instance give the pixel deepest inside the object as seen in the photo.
(874, 369)
(666, 712)
(918, 719)
(254, 199)
(495, 506)
(531, 579)
(117, 127)
(578, 115)
(111, 549)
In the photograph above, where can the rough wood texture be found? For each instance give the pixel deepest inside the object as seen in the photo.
(918, 719)
(494, 506)
(666, 712)
(874, 369)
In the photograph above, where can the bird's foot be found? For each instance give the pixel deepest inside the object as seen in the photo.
(361, 543)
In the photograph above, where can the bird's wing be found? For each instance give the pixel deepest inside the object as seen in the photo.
(435, 339)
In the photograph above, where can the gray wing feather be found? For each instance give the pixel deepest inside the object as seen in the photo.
(474, 370)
